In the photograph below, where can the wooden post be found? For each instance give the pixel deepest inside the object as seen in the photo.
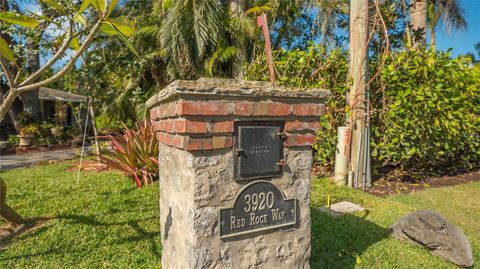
(7, 212)
(262, 22)
(94, 127)
(356, 97)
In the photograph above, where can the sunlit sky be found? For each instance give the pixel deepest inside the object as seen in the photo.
(463, 42)
(460, 42)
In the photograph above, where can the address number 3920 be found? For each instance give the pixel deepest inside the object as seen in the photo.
(258, 201)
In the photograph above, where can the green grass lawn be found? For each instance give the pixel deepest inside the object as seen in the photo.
(106, 222)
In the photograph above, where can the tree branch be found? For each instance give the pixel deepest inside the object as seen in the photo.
(9, 75)
(54, 59)
(7, 102)
(69, 65)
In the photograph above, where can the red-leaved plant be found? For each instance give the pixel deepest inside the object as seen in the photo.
(135, 152)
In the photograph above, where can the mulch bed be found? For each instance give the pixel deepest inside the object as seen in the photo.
(89, 166)
(384, 187)
(392, 181)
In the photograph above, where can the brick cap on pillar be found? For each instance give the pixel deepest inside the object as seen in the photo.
(201, 114)
(219, 87)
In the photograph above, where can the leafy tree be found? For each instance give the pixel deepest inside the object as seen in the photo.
(119, 81)
(76, 31)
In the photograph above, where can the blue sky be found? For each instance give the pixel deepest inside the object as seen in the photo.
(460, 42)
(463, 42)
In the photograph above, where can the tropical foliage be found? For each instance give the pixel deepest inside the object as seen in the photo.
(425, 105)
(160, 41)
(74, 26)
(429, 115)
(315, 67)
(135, 152)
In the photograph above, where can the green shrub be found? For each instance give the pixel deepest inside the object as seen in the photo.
(32, 129)
(13, 140)
(314, 68)
(431, 112)
(425, 104)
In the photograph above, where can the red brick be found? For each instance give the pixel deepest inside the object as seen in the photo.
(294, 125)
(162, 138)
(218, 142)
(222, 127)
(243, 109)
(153, 113)
(300, 140)
(229, 142)
(190, 126)
(207, 108)
(161, 111)
(314, 125)
(298, 125)
(170, 110)
(158, 126)
(168, 126)
(194, 144)
(261, 109)
(177, 141)
(307, 110)
(278, 109)
(207, 143)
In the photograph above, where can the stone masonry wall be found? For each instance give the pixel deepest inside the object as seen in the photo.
(195, 125)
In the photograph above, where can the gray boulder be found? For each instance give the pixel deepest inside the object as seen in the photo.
(434, 232)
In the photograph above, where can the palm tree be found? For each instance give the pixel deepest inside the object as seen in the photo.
(196, 35)
(418, 21)
(449, 12)
(328, 13)
(189, 32)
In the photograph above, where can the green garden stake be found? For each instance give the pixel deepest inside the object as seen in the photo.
(328, 203)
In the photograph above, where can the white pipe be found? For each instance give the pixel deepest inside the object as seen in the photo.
(341, 155)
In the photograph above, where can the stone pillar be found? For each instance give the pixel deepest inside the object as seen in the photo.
(230, 195)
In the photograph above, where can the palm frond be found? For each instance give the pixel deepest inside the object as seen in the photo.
(260, 9)
(222, 55)
(452, 15)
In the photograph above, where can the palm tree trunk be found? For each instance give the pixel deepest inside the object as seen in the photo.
(418, 20)
(239, 7)
(31, 103)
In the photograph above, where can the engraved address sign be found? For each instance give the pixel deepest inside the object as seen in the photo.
(259, 206)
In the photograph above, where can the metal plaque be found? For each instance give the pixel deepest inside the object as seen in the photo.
(259, 206)
(258, 149)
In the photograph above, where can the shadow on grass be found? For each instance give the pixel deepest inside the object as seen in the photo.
(73, 219)
(142, 234)
(336, 242)
(11, 231)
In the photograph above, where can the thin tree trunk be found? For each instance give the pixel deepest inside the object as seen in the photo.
(418, 20)
(433, 39)
(94, 127)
